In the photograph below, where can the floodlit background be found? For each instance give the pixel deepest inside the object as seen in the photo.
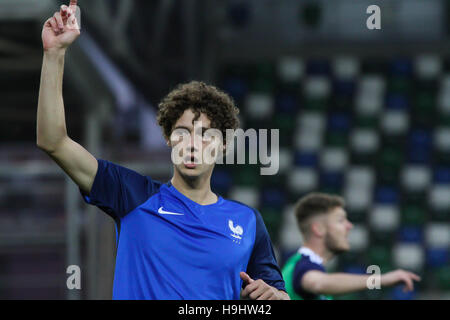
(362, 113)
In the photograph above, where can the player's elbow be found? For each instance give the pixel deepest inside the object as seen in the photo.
(50, 139)
(46, 147)
(314, 284)
(319, 287)
(50, 145)
(315, 287)
(43, 146)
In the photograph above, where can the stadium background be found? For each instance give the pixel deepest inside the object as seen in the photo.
(362, 113)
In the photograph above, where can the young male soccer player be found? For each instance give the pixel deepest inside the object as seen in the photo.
(324, 226)
(177, 240)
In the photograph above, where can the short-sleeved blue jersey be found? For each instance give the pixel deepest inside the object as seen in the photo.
(172, 248)
(309, 261)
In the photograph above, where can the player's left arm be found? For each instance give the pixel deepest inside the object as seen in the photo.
(259, 290)
(263, 279)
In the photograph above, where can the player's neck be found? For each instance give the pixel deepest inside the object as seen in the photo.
(320, 250)
(198, 190)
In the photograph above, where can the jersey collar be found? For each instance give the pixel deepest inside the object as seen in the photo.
(312, 255)
(186, 199)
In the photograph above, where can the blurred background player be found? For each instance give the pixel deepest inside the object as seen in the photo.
(325, 228)
(177, 240)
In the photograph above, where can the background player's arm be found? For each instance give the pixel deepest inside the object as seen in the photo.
(319, 282)
(58, 33)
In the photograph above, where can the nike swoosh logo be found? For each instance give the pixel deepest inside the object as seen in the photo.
(161, 211)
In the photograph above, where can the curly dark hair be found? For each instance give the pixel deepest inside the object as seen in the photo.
(218, 106)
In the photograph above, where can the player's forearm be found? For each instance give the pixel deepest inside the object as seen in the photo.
(51, 124)
(341, 283)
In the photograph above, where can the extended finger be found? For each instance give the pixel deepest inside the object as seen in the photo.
(409, 284)
(415, 276)
(245, 277)
(73, 5)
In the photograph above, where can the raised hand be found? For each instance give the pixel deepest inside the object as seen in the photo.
(61, 30)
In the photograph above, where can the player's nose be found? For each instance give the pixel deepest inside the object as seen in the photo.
(349, 225)
(193, 144)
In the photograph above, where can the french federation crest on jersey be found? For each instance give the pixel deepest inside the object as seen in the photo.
(237, 231)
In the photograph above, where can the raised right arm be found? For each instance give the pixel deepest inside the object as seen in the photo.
(58, 33)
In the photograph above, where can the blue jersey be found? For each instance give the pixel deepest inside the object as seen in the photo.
(172, 248)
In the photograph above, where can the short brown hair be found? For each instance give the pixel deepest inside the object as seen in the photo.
(315, 204)
(218, 106)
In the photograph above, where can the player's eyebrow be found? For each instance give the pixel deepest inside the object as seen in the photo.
(341, 214)
(203, 129)
(182, 128)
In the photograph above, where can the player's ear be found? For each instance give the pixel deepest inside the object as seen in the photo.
(168, 142)
(318, 228)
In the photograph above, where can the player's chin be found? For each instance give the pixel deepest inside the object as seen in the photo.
(342, 246)
(190, 170)
(345, 246)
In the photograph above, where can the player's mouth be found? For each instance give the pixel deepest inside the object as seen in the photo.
(347, 241)
(190, 162)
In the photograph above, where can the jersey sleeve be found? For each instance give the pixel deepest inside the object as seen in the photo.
(263, 264)
(302, 267)
(118, 190)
